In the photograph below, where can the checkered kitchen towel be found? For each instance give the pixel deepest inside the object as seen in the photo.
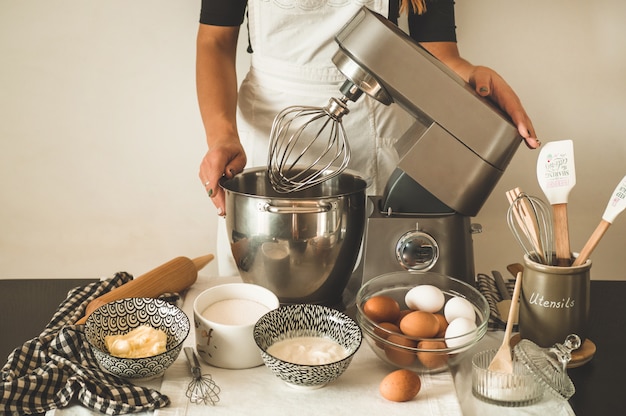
(51, 370)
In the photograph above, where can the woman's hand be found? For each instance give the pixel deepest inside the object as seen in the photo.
(487, 84)
(225, 158)
(216, 84)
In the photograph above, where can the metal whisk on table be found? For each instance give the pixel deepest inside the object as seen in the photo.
(202, 388)
(309, 145)
(530, 221)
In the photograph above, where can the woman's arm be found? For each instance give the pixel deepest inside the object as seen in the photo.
(216, 83)
(487, 84)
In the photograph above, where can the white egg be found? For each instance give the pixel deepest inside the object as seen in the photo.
(458, 307)
(460, 332)
(427, 298)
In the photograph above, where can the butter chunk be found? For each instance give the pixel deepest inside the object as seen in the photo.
(143, 341)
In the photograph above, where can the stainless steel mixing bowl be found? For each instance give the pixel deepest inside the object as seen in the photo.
(302, 245)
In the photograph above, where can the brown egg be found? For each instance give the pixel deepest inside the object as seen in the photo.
(420, 324)
(432, 359)
(400, 385)
(403, 313)
(398, 355)
(381, 309)
(383, 329)
(443, 325)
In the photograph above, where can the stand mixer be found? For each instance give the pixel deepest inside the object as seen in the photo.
(450, 159)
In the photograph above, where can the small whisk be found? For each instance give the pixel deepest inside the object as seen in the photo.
(530, 221)
(309, 145)
(202, 388)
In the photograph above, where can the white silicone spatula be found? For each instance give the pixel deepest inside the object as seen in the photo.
(616, 205)
(556, 174)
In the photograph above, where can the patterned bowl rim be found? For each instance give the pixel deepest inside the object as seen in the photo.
(307, 307)
(160, 303)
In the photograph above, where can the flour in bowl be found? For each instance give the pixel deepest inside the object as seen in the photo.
(308, 350)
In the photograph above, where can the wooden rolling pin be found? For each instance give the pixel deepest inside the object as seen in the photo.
(174, 276)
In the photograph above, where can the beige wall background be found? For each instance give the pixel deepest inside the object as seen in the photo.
(100, 136)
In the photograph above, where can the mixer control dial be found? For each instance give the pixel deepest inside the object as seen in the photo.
(417, 250)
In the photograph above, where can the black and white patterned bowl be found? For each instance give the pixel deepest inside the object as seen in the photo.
(120, 317)
(307, 320)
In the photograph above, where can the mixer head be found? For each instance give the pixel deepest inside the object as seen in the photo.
(457, 149)
(460, 143)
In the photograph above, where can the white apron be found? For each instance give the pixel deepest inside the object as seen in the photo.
(293, 43)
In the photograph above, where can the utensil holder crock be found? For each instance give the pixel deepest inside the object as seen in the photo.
(554, 302)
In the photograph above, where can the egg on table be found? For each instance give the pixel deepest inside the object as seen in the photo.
(400, 385)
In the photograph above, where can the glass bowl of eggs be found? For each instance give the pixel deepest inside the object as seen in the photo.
(421, 321)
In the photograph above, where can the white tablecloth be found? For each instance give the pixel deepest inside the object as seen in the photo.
(257, 391)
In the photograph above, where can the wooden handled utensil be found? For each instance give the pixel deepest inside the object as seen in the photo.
(503, 361)
(515, 268)
(616, 205)
(556, 174)
(176, 275)
(527, 219)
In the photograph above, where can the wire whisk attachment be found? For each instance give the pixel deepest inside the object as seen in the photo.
(202, 388)
(530, 220)
(309, 145)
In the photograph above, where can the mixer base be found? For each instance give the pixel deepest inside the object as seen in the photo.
(452, 233)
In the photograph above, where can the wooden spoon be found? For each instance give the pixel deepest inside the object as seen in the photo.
(616, 205)
(176, 275)
(503, 362)
(515, 268)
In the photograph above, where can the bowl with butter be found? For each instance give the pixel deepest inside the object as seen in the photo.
(136, 338)
(307, 345)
